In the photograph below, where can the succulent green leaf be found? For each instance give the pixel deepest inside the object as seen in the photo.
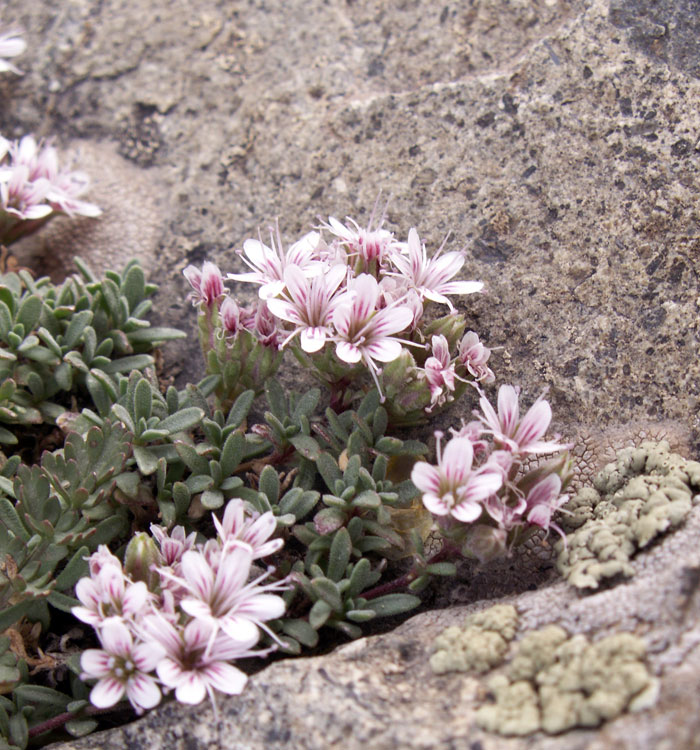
(29, 312)
(143, 400)
(298, 502)
(307, 446)
(62, 601)
(108, 529)
(361, 578)
(370, 404)
(212, 499)
(76, 568)
(301, 631)
(442, 569)
(329, 520)
(393, 604)
(154, 336)
(75, 329)
(126, 364)
(7, 437)
(306, 404)
(339, 555)
(195, 463)
(232, 452)
(199, 483)
(319, 614)
(346, 628)
(367, 499)
(5, 319)
(183, 420)
(269, 484)
(81, 727)
(361, 615)
(145, 460)
(10, 519)
(276, 399)
(327, 590)
(328, 469)
(133, 286)
(123, 416)
(239, 410)
(420, 584)
(19, 731)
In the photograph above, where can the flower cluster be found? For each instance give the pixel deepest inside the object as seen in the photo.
(33, 188)
(347, 307)
(179, 609)
(11, 45)
(480, 493)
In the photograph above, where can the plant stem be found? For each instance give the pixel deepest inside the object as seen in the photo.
(415, 572)
(56, 722)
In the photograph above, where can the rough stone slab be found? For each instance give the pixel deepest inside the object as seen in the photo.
(562, 152)
(559, 142)
(380, 692)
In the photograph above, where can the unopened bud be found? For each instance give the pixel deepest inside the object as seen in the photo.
(141, 558)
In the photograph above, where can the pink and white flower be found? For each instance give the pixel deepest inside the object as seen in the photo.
(440, 371)
(21, 196)
(516, 434)
(110, 593)
(369, 244)
(474, 356)
(364, 333)
(207, 284)
(310, 304)
(33, 176)
(543, 500)
(122, 667)
(254, 530)
(431, 278)
(219, 595)
(11, 45)
(195, 664)
(452, 487)
(269, 263)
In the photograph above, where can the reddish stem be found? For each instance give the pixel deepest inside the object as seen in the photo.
(56, 722)
(416, 571)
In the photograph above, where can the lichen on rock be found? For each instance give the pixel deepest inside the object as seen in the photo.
(645, 492)
(478, 646)
(555, 683)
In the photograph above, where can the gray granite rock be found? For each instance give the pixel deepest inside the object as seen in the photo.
(559, 142)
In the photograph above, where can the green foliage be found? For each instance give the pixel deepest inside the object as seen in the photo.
(134, 454)
(73, 339)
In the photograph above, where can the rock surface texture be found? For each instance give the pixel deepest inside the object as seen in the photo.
(558, 141)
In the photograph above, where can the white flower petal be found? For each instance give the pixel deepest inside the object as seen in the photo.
(191, 689)
(142, 691)
(107, 692)
(225, 678)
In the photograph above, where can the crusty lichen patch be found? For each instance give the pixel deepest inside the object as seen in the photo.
(555, 683)
(642, 494)
(480, 645)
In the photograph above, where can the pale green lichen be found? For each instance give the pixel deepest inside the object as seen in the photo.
(480, 645)
(556, 683)
(642, 494)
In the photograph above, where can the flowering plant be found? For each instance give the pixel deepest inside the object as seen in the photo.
(481, 494)
(180, 609)
(33, 188)
(352, 310)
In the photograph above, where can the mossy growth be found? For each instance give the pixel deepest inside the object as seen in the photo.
(645, 492)
(555, 683)
(480, 645)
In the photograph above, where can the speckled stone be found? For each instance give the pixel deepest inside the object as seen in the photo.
(558, 141)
